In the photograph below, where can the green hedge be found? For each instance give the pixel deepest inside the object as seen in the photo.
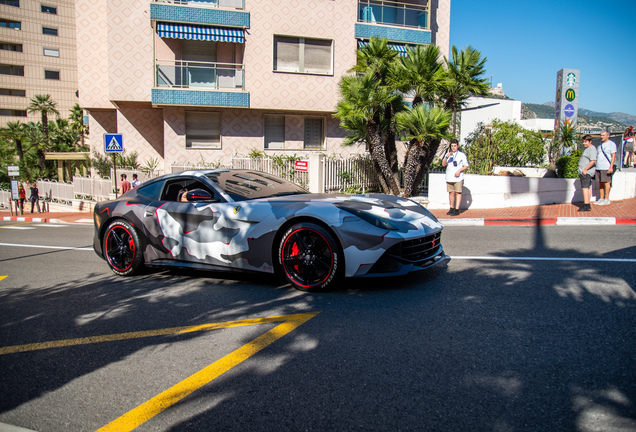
(568, 166)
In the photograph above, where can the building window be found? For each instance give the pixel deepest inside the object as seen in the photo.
(12, 92)
(17, 25)
(6, 69)
(51, 52)
(274, 131)
(49, 9)
(303, 55)
(203, 130)
(15, 3)
(6, 46)
(314, 133)
(51, 74)
(49, 31)
(12, 112)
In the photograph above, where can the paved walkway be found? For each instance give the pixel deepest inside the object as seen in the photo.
(618, 212)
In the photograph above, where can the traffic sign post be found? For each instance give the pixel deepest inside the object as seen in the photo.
(14, 172)
(114, 143)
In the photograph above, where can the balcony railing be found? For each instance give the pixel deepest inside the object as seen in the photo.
(393, 13)
(188, 74)
(236, 4)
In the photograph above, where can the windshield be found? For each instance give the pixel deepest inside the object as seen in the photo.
(243, 185)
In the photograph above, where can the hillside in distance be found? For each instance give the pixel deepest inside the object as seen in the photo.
(588, 120)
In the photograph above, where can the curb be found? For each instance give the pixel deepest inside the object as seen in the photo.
(26, 219)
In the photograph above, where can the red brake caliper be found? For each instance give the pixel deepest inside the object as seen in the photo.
(294, 252)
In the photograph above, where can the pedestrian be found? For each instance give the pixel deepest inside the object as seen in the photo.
(605, 165)
(628, 147)
(135, 181)
(22, 196)
(456, 163)
(125, 184)
(587, 171)
(35, 196)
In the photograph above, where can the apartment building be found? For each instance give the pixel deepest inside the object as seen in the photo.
(38, 55)
(192, 81)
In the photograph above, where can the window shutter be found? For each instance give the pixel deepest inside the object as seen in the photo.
(203, 130)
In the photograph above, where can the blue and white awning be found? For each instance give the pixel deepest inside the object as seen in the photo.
(400, 48)
(197, 32)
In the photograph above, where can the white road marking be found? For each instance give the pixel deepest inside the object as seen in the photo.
(497, 258)
(47, 247)
(18, 227)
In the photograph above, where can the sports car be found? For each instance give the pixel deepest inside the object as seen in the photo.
(245, 220)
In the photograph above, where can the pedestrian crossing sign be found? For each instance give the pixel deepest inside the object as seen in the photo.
(113, 143)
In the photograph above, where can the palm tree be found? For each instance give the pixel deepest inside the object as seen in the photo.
(424, 128)
(419, 72)
(45, 106)
(463, 79)
(14, 132)
(361, 110)
(34, 136)
(77, 122)
(564, 136)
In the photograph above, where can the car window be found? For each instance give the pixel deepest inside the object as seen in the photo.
(246, 184)
(174, 188)
(152, 190)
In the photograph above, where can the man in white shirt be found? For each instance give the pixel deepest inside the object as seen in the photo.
(456, 163)
(605, 167)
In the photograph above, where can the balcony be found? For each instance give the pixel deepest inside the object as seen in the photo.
(235, 4)
(398, 21)
(200, 75)
(393, 13)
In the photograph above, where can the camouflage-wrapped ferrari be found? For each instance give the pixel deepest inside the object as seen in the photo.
(244, 220)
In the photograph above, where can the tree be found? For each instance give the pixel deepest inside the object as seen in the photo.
(424, 128)
(463, 79)
(14, 133)
(372, 101)
(45, 106)
(37, 141)
(564, 137)
(77, 122)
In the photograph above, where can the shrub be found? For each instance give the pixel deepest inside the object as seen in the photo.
(568, 166)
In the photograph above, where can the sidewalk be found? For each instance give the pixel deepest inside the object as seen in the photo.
(617, 213)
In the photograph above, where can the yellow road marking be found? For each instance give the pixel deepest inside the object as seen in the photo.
(141, 334)
(174, 394)
(161, 402)
(2, 277)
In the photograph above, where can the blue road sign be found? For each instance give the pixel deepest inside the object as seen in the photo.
(113, 143)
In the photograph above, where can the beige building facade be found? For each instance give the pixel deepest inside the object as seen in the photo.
(200, 81)
(38, 55)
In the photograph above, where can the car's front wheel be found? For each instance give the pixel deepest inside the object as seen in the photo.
(122, 248)
(310, 257)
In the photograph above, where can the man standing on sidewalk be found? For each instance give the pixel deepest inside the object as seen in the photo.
(456, 163)
(605, 167)
(587, 171)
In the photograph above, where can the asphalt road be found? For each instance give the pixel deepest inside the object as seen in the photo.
(524, 329)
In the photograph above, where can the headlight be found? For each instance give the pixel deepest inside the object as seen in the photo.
(371, 218)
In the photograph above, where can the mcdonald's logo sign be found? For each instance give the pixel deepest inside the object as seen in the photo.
(570, 95)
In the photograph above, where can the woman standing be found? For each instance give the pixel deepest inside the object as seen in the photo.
(22, 196)
(628, 147)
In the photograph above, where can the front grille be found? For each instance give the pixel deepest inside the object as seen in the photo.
(417, 250)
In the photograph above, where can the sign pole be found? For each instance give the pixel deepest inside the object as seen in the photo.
(115, 174)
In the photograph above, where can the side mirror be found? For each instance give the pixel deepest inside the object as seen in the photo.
(199, 195)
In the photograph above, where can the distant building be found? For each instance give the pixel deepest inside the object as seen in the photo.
(38, 55)
(200, 81)
(485, 110)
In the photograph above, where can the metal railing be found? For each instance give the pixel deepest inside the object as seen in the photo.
(393, 13)
(236, 4)
(189, 74)
(354, 175)
(53, 191)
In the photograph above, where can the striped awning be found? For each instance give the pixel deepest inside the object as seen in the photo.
(400, 48)
(197, 32)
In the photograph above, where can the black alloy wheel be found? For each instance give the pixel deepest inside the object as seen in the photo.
(122, 248)
(310, 257)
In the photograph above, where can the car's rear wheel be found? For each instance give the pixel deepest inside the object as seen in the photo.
(310, 257)
(122, 248)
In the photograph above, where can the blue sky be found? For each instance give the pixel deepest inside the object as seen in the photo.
(527, 42)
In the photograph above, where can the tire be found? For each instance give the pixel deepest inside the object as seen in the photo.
(309, 257)
(122, 248)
